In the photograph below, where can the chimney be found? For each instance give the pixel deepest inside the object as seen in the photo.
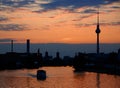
(28, 46)
(11, 45)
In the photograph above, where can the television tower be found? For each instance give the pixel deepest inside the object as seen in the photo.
(98, 32)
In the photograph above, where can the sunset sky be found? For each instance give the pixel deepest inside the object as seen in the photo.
(59, 21)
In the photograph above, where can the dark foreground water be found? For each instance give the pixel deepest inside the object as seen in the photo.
(57, 77)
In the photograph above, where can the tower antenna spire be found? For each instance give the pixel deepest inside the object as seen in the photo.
(98, 16)
(98, 23)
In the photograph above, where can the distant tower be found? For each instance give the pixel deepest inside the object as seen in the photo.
(11, 45)
(28, 46)
(98, 32)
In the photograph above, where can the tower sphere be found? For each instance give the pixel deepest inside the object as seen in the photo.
(97, 31)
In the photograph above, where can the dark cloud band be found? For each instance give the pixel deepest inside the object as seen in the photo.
(105, 24)
(3, 18)
(5, 40)
(75, 3)
(12, 27)
(55, 4)
(17, 3)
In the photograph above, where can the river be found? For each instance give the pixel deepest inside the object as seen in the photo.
(57, 77)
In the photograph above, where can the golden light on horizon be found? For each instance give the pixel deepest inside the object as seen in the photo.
(65, 35)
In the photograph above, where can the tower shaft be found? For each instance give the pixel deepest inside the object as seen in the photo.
(98, 49)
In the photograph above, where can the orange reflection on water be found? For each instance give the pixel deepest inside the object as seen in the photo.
(57, 77)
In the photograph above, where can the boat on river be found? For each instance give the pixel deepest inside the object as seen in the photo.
(41, 74)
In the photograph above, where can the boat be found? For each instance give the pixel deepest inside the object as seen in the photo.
(41, 74)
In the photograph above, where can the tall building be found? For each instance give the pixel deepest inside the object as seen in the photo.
(98, 32)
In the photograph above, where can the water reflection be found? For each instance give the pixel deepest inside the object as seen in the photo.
(98, 80)
(32, 75)
(78, 75)
(57, 77)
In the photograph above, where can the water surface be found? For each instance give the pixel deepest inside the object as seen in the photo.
(57, 77)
